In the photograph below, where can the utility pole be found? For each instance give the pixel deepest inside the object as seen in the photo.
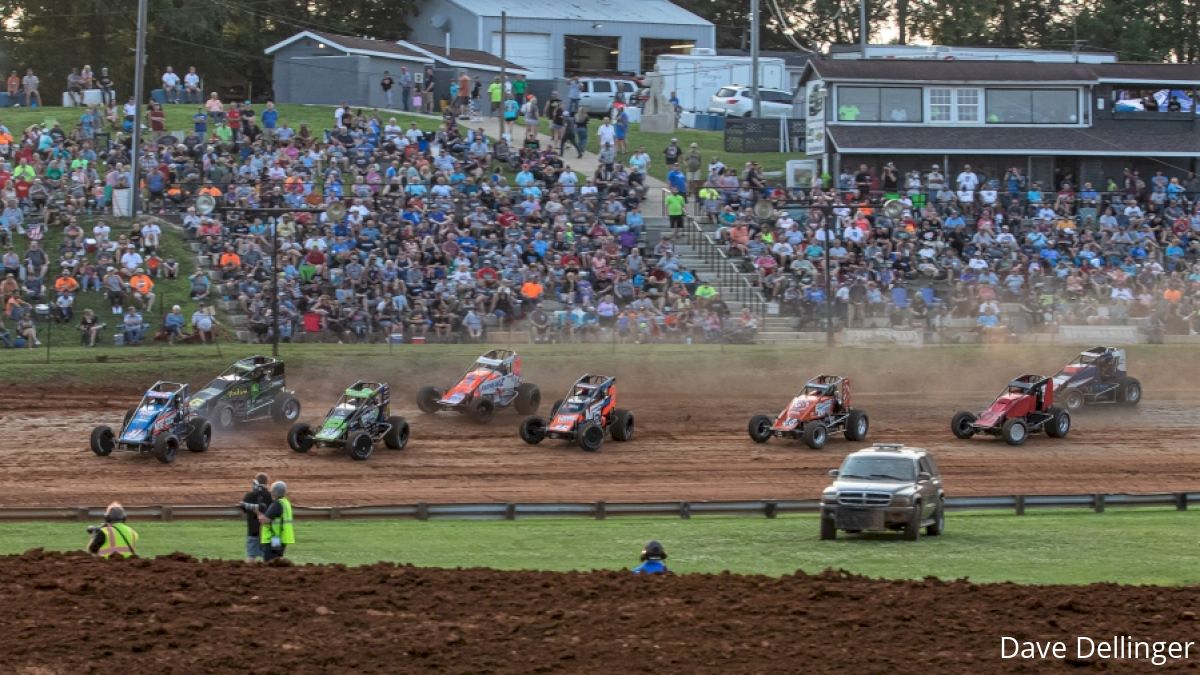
(138, 76)
(503, 69)
(754, 59)
(862, 27)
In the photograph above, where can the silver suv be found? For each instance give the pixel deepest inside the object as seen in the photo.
(885, 487)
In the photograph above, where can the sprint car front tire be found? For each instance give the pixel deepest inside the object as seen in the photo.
(591, 436)
(533, 430)
(103, 441)
(224, 419)
(300, 437)
(427, 399)
(481, 410)
(1130, 392)
(857, 425)
(166, 447)
(360, 445)
(815, 435)
(397, 435)
(961, 425)
(759, 428)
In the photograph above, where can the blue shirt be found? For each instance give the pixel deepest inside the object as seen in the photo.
(651, 567)
(269, 118)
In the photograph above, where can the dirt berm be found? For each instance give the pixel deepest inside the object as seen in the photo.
(67, 613)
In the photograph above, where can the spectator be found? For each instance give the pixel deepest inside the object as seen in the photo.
(90, 327)
(134, 326)
(170, 83)
(191, 87)
(30, 84)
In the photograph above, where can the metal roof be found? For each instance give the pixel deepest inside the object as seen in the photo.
(616, 11)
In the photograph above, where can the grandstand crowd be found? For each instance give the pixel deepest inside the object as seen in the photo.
(449, 234)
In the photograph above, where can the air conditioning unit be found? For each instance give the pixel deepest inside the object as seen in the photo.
(703, 51)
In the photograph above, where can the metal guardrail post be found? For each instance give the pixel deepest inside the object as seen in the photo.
(769, 509)
(600, 511)
(1098, 503)
(1020, 499)
(1181, 501)
(165, 514)
(685, 510)
(335, 513)
(510, 511)
(422, 511)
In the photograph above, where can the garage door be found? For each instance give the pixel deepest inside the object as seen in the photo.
(529, 50)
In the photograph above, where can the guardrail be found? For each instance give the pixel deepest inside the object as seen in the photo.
(1018, 504)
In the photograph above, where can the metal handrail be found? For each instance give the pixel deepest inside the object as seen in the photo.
(1096, 502)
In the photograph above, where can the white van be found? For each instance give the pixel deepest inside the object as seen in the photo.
(598, 94)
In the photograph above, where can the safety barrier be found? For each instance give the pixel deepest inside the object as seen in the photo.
(1018, 504)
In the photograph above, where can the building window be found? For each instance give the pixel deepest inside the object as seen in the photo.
(591, 54)
(948, 105)
(879, 104)
(1032, 106)
(652, 48)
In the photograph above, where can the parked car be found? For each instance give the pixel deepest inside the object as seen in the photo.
(598, 94)
(885, 487)
(734, 100)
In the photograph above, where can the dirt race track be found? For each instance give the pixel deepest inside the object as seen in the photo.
(691, 441)
(66, 613)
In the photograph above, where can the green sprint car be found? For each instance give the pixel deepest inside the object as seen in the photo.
(359, 419)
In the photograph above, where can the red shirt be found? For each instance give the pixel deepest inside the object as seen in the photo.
(315, 257)
(22, 188)
(4, 176)
(234, 118)
(158, 120)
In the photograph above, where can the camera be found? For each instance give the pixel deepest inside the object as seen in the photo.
(248, 507)
(92, 529)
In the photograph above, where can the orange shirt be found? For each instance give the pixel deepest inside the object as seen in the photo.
(230, 259)
(66, 285)
(531, 290)
(1173, 295)
(14, 83)
(211, 191)
(141, 283)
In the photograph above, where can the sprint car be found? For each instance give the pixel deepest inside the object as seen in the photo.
(1097, 376)
(494, 382)
(360, 418)
(158, 426)
(820, 409)
(1026, 406)
(252, 388)
(584, 416)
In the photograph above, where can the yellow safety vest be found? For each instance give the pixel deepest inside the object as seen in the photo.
(119, 539)
(280, 527)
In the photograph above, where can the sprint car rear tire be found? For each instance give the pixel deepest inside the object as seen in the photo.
(759, 428)
(533, 430)
(1014, 432)
(961, 425)
(529, 397)
(200, 435)
(857, 425)
(481, 410)
(397, 436)
(1059, 424)
(166, 447)
(1130, 392)
(622, 425)
(285, 409)
(427, 399)
(590, 436)
(1073, 400)
(103, 441)
(224, 418)
(300, 437)
(815, 435)
(360, 445)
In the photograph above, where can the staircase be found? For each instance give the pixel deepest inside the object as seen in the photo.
(697, 251)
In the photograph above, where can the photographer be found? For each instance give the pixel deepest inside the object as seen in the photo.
(254, 503)
(114, 537)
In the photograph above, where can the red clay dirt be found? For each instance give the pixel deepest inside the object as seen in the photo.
(691, 442)
(67, 613)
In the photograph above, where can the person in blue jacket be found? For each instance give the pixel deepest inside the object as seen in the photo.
(652, 560)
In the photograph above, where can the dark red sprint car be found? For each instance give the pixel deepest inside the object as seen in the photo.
(1025, 407)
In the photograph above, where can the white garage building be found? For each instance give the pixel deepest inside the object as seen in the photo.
(557, 39)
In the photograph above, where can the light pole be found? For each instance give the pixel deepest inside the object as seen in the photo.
(136, 141)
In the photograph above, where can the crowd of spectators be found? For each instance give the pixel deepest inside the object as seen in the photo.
(448, 235)
(1002, 253)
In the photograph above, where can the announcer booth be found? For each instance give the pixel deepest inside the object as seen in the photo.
(1055, 121)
